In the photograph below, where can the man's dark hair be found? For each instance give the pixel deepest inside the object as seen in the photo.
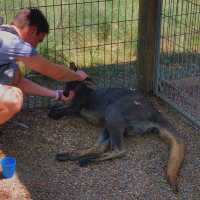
(37, 18)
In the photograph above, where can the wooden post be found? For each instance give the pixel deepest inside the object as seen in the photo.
(149, 19)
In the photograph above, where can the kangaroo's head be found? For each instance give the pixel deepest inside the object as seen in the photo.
(79, 93)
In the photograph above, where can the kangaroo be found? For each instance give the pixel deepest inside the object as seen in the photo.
(121, 112)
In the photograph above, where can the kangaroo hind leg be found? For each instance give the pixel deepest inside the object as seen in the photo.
(115, 126)
(92, 152)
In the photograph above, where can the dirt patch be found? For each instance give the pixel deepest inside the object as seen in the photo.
(139, 175)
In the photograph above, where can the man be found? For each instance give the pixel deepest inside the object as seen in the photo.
(17, 44)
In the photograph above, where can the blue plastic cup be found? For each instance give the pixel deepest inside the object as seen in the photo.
(8, 164)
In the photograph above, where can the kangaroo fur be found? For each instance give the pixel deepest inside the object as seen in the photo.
(121, 112)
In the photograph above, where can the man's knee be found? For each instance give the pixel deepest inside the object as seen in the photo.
(16, 101)
(12, 99)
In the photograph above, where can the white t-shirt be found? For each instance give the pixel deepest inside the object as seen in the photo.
(11, 46)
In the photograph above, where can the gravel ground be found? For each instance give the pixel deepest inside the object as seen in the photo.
(139, 175)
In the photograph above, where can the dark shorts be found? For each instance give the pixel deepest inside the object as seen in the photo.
(7, 73)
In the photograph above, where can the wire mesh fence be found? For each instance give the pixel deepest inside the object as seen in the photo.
(179, 70)
(101, 36)
(98, 35)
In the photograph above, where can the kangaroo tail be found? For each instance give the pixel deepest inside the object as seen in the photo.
(176, 156)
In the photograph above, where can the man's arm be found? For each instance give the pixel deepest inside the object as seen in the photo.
(58, 72)
(30, 88)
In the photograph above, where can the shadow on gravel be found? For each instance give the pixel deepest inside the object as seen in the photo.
(139, 175)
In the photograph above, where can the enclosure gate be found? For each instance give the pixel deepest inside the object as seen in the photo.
(178, 71)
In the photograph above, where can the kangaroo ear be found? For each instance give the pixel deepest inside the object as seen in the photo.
(73, 66)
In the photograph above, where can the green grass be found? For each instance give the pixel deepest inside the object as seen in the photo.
(180, 26)
(98, 32)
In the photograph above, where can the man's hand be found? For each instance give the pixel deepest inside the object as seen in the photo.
(61, 97)
(82, 75)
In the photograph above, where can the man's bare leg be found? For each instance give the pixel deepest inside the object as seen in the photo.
(11, 100)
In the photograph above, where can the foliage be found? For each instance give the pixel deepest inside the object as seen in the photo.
(92, 33)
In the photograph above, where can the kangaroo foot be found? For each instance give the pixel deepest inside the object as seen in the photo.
(78, 154)
(105, 156)
(68, 156)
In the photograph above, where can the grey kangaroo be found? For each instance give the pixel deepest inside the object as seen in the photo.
(121, 112)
